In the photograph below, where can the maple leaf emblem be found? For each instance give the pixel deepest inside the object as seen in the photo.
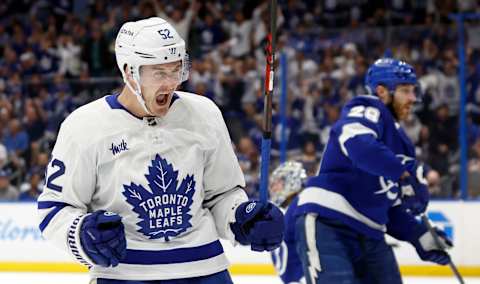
(163, 210)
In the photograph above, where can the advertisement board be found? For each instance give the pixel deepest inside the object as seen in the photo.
(23, 248)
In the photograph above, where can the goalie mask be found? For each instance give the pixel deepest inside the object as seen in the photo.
(151, 41)
(286, 180)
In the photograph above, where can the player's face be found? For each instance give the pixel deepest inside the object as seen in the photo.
(276, 186)
(403, 100)
(158, 82)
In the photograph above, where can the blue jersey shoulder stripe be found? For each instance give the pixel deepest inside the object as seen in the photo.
(179, 255)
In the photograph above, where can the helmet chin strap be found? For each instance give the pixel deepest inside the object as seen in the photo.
(138, 95)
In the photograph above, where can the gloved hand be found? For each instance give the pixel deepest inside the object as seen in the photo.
(418, 170)
(259, 225)
(428, 250)
(102, 237)
(415, 195)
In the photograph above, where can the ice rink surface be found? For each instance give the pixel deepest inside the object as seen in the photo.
(80, 278)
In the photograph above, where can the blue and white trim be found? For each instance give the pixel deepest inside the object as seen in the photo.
(351, 130)
(57, 206)
(333, 205)
(112, 101)
(171, 256)
(73, 241)
(314, 262)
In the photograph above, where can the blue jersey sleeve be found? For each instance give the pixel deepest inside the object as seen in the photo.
(402, 225)
(360, 132)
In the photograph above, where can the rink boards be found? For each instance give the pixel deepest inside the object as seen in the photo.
(23, 249)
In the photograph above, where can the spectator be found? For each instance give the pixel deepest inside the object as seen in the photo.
(442, 142)
(96, 52)
(34, 124)
(40, 163)
(448, 89)
(28, 64)
(47, 58)
(309, 158)
(233, 84)
(240, 35)
(16, 139)
(248, 157)
(69, 53)
(32, 188)
(3, 156)
(10, 59)
(210, 32)
(7, 191)
(292, 135)
(412, 127)
(180, 21)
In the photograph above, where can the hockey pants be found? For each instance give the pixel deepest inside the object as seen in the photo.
(334, 253)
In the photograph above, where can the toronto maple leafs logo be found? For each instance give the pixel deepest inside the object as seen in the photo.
(163, 209)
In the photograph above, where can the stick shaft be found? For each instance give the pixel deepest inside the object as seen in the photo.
(441, 246)
(267, 110)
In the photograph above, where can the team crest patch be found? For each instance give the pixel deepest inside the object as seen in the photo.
(163, 210)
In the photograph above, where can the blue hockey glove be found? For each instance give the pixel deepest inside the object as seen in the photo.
(415, 195)
(428, 250)
(102, 237)
(418, 170)
(259, 225)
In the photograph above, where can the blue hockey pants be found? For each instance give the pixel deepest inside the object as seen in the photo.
(334, 253)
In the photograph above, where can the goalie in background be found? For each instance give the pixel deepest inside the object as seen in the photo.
(286, 182)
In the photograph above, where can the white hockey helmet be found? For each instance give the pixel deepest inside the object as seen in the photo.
(149, 42)
(286, 180)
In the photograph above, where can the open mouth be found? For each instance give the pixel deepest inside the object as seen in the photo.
(162, 99)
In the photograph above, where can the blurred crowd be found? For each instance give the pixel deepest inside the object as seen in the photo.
(58, 55)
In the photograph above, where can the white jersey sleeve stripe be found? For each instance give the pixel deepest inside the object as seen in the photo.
(336, 202)
(314, 265)
(351, 130)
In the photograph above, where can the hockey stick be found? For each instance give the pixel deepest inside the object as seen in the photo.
(267, 108)
(442, 247)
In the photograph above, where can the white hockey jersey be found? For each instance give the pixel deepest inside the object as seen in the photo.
(174, 180)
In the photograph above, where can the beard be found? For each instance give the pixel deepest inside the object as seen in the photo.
(399, 111)
(392, 110)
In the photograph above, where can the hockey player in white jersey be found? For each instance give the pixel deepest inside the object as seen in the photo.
(142, 184)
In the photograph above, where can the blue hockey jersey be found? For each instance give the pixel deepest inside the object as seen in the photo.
(285, 258)
(363, 160)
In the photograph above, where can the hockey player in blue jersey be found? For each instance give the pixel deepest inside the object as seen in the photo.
(369, 183)
(286, 182)
(142, 184)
